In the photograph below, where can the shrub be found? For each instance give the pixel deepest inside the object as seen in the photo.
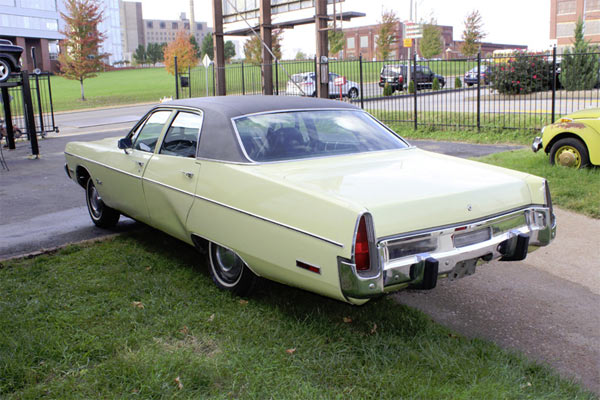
(387, 90)
(522, 74)
(411, 86)
(436, 84)
(457, 82)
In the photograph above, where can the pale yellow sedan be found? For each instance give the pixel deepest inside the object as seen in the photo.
(312, 193)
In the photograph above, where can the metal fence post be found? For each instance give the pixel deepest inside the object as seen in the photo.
(553, 83)
(243, 80)
(10, 136)
(360, 63)
(51, 105)
(479, 92)
(190, 81)
(176, 78)
(29, 117)
(214, 83)
(276, 78)
(416, 87)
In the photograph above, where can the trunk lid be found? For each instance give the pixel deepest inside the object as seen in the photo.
(410, 189)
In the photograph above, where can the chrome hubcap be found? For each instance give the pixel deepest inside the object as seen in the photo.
(3, 71)
(227, 264)
(95, 202)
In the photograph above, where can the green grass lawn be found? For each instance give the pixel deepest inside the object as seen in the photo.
(138, 317)
(575, 190)
(113, 88)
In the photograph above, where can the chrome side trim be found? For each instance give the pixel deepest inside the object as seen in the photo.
(169, 187)
(104, 165)
(290, 227)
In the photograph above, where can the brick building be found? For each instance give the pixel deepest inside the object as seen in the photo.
(565, 13)
(361, 41)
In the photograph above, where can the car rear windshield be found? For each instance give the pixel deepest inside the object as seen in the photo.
(308, 134)
(299, 78)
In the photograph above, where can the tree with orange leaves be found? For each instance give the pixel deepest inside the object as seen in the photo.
(82, 57)
(185, 52)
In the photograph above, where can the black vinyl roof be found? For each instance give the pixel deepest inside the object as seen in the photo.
(219, 141)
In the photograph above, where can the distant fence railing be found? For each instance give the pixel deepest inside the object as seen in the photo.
(522, 91)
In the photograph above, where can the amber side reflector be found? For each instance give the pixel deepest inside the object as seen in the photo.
(361, 247)
(308, 267)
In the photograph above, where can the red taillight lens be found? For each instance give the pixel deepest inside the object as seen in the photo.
(361, 247)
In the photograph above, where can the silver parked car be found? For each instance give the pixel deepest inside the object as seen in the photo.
(307, 82)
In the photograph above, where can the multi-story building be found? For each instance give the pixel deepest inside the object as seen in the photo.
(565, 13)
(164, 31)
(33, 23)
(111, 27)
(363, 41)
(132, 27)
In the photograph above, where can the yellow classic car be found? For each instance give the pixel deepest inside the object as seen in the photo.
(312, 193)
(572, 141)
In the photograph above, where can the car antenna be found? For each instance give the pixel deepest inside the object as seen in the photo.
(265, 46)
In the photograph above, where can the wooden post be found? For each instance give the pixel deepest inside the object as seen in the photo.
(219, 48)
(322, 51)
(265, 34)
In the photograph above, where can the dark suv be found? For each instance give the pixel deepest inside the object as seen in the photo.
(9, 59)
(396, 76)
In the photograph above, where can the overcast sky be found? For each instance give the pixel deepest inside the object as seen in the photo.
(509, 21)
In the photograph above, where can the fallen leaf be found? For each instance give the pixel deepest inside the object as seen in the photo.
(179, 384)
(148, 268)
(374, 329)
(211, 318)
(347, 320)
(291, 351)
(184, 330)
(243, 302)
(453, 336)
(137, 304)
(528, 384)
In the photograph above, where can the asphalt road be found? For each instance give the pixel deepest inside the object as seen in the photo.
(545, 306)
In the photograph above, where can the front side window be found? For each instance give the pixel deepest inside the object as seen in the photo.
(147, 136)
(182, 137)
(308, 134)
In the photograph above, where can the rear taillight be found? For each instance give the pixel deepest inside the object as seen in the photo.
(400, 79)
(361, 247)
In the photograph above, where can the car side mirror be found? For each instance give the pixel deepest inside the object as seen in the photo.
(125, 143)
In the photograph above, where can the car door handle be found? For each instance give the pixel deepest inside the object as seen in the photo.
(140, 164)
(187, 174)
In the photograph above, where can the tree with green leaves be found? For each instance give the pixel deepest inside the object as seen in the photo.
(388, 34)
(336, 40)
(253, 47)
(155, 52)
(229, 50)
(579, 68)
(82, 57)
(140, 55)
(300, 55)
(473, 34)
(196, 47)
(430, 44)
(208, 46)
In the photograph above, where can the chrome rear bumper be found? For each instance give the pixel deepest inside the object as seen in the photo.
(511, 237)
(536, 145)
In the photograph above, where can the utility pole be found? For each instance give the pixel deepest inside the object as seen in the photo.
(322, 51)
(265, 33)
(219, 48)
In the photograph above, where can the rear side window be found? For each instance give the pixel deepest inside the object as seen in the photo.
(147, 136)
(182, 137)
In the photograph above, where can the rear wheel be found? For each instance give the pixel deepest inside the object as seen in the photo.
(4, 70)
(102, 215)
(229, 271)
(569, 152)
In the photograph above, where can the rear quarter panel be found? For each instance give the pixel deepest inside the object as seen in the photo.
(271, 225)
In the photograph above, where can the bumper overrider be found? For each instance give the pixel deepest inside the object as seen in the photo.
(536, 145)
(417, 259)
